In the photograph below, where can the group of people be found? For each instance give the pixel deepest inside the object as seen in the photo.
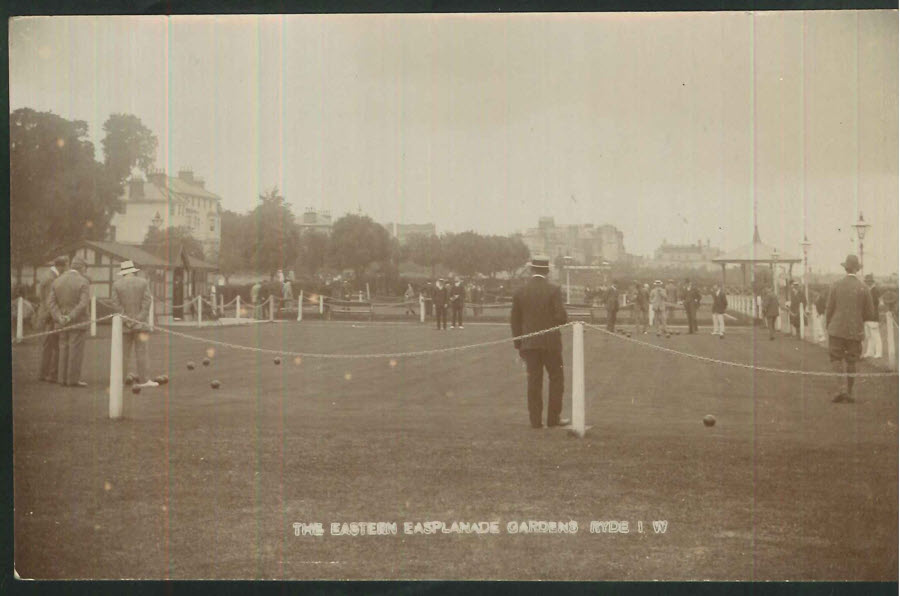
(849, 308)
(65, 310)
(659, 303)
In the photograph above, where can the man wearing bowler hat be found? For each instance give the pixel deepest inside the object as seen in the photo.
(538, 306)
(131, 297)
(441, 297)
(70, 296)
(849, 307)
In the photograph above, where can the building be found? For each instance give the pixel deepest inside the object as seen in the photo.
(587, 244)
(402, 232)
(163, 201)
(172, 282)
(685, 256)
(318, 221)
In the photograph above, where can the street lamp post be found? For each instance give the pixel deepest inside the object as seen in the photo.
(861, 228)
(568, 260)
(805, 245)
(775, 256)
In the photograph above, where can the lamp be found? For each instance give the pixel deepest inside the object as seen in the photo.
(861, 228)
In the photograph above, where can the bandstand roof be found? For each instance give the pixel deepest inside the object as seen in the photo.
(756, 252)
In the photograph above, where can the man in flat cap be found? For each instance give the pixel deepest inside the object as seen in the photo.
(131, 297)
(50, 344)
(849, 307)
(536, 306)
(70, 296)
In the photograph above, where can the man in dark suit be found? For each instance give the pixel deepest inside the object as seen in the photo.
(612, 307)
(70, 296)
(50, 343)
(798, 307)
(457, 303)
(536, 306)
(849, 307)
(692, 299)
(441, 298)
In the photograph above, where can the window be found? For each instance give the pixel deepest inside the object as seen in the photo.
(212, 224)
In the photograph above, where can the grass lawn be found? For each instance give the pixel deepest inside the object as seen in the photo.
(202, 483)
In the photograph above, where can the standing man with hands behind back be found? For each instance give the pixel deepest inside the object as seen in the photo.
(50, 346)
(70, 296)
(538, 306)
(131, 297)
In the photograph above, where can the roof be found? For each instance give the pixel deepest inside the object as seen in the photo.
(195, 263)
(756, 252)
(127, 252)
(171, 186)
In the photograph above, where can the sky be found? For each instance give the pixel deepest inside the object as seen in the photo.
(679, 127)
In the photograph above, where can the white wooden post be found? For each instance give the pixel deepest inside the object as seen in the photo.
(421, 308)
(199, 311)
(115, 369)
(578, 379)
(152, 316)
(368, 296)
(321, 304)
(221, 305)
(237, 309)
(93, 316)
(360, 295)
(891, 346)
(20, 319)
(802, 322)
(300, 306)
(271, 308)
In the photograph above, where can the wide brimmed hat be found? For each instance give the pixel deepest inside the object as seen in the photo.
(851, 263)
(127, 267)
(540, 262)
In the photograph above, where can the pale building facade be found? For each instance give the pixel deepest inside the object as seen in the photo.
(587, 244)
(164, 201)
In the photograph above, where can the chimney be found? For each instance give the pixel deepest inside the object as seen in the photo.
(186, 175)
(157, 177)
(136, 188)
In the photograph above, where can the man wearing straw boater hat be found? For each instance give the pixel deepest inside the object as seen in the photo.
(538, 306)
(849, 307)
(50, 346)
(131, 297)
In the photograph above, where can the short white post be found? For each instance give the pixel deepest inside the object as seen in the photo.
(199, 311)
(578, 378)
(300, 306)
(368, 296)
(360, 295)
(221, 305)
(237, 308)
(115, 369)
(93, 316)
(271, 308)
(802, 322)
(421, 308)
(20, 319)
(151, 318)
(321, 304)
(891, 346)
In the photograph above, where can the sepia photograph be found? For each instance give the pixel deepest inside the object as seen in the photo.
(510, 296)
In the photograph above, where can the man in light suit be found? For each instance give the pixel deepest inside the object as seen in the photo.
(849, 307)
(131, 297)
(536, 306)
(70, 296)
(50, 343)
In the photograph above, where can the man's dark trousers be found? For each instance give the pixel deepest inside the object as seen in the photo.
(440, 312)
(50, 356)
(691, 312)
(536, 360)
(611, 320)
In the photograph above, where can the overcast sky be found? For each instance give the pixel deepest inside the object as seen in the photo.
(664, 125)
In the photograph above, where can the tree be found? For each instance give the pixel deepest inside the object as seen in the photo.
(237, 243)
(127, 143)
(312, 251)
(276, 234)
(166, 244)
(59, 194)
(464, 253)
(356, 242)
(423, 250)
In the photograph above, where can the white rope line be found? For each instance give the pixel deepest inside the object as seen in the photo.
(61, 329)
(742, 364)
(223, 344)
